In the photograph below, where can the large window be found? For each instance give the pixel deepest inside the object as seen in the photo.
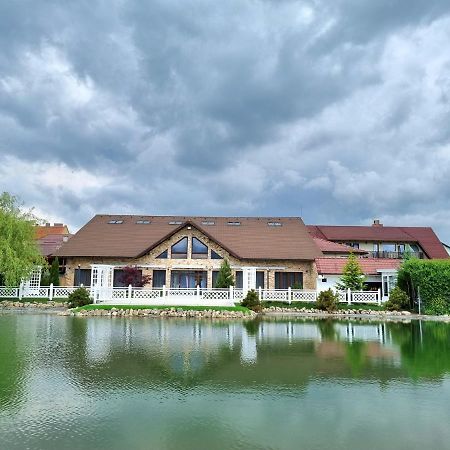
(215, 275)
(159, 278)
(239, 282)
(284, 280)
(188, 279)
(82, 277)
(199, 249)
(162, 255)
(179, 250)
(215, 255)
(259, 279)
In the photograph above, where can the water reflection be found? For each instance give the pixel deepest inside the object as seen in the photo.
(54, 366)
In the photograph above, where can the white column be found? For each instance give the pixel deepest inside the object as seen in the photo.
(130, 291)
(50, 292)
(349, 296)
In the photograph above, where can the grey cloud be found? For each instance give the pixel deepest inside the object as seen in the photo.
(230, 108)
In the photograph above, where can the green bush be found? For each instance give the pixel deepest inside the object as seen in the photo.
(251, 301)
(327, 301)
(437, 306)
(430, 279)
(398, 300)
(79, 297)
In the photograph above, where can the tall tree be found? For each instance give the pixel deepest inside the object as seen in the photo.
(353, 277)
(19, 252)
(225, 277)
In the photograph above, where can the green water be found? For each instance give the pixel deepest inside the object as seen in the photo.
(99, 383)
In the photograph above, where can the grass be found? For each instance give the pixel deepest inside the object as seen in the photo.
(183, 308)
(312, 305)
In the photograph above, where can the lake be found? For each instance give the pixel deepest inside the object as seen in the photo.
(131, 383)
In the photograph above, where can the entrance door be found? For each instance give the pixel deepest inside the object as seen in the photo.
(188, 279)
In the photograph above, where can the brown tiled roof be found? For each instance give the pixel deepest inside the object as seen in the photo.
(50, 243)
(370, 266)
(424, 236)
(333, 247)
(252, 239)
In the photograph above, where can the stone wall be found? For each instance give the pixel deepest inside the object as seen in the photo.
(150, 262)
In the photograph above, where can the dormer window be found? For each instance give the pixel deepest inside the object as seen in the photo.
(175, 222)
(142, 222)
(115, 222)
(274, 224)
(208, 222)
(234, 223)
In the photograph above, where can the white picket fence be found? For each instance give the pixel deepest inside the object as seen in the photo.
(192, 296)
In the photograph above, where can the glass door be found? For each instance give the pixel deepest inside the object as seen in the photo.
(188, 279)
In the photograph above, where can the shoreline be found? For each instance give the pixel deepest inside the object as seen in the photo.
(60, 308)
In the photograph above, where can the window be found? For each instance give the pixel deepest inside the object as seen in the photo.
(387, 247)
(115, 222)
(179, 250)
(352, 244)
(208, 222)
(401, 248)
(162, 255)
(239, 282)
(215, 274)
(274, 224)
(234, 224)
(120, 281)
(259, 279)
(284, 280)
(324, 280)
(175, 222)
(143, 222)
(82, 277)
(199, 249)
(215, 255)
(159, 278)
(376, 247)
(188, 278)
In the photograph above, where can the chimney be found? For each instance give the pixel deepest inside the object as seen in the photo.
(377, 223)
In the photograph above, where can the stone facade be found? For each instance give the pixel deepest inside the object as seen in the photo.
(149, 262)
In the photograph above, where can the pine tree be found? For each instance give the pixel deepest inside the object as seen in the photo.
(54, 272)
(353, 277)
(225, 277)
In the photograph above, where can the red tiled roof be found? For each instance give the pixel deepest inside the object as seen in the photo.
(424, 236)
(252, 239)
(333, 247)
(370, 266)
(46, 230)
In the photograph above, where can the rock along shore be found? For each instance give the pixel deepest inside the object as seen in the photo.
(9, 304)
(171, 312)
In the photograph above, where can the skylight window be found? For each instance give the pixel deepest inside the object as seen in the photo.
(208, 222)
(143, 222)
(175, 222)
(234, 224)
(115, 222)
(274, 224)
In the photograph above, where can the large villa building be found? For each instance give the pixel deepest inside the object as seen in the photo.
(271, 253)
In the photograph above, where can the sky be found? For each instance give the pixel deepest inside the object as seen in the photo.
(335, 111)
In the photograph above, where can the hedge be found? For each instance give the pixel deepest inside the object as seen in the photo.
(429, 277)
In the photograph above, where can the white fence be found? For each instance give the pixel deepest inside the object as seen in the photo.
(201, 296)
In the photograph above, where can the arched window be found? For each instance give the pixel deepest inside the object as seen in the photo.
(179, 250)
(199, 249)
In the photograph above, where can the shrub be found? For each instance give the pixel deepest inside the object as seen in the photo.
(398, 300)
(79, 297)
(430, 279)
(327, 301)
(225, 277)
(251, 301)
(437, 306)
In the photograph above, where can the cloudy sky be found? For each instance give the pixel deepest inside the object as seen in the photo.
(338, 111)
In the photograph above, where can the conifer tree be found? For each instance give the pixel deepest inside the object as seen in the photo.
(353, 277)
(54, 272)
(225, 277)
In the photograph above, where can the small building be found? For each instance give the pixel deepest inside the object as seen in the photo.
(186, 252)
